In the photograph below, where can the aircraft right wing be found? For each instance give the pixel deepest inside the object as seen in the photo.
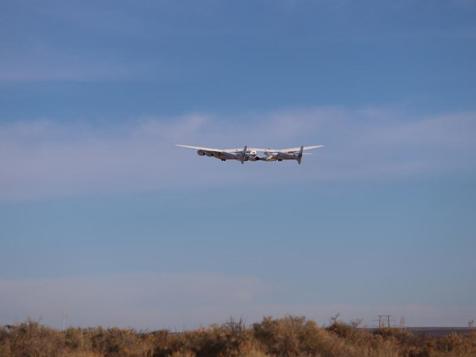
(298, 149)
(291, 150)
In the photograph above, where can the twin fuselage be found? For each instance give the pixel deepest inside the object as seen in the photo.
(251, 155)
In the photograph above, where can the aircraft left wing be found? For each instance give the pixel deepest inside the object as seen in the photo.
(222, 154)
(209, 149)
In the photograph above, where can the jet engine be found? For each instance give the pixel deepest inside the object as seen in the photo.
(200, 152)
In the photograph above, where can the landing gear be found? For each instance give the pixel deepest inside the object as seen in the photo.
(223, 159)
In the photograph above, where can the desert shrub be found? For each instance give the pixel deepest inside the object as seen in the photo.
(117, 342)
(456, 345)
(183, 354)
(286, 337)
(32, 339)
(401, 335)
(348, 332)
(230, 339)
(5, 349)
(296, 336)
(81, 354)
(279, 337)
(164, 343)
(77, 339)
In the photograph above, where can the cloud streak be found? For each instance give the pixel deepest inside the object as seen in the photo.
(185, 300)
(49, 158)
(173, 300)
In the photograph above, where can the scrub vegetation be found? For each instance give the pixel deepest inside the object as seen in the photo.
(285, 337)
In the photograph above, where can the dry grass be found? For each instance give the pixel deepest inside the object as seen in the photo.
(286, 337)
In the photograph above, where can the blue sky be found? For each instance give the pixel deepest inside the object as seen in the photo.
(104, 221)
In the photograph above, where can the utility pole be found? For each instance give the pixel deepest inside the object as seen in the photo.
(384, 321)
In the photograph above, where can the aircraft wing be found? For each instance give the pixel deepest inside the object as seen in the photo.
(297, 149)
(209, 149)
(292, 150)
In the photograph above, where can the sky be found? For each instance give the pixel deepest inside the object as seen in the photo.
(103, 221)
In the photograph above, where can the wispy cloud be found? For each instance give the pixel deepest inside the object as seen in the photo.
(185, 300)
(48, 158)
(142, 300)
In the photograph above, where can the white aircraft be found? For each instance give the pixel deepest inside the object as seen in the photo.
(253, 154)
